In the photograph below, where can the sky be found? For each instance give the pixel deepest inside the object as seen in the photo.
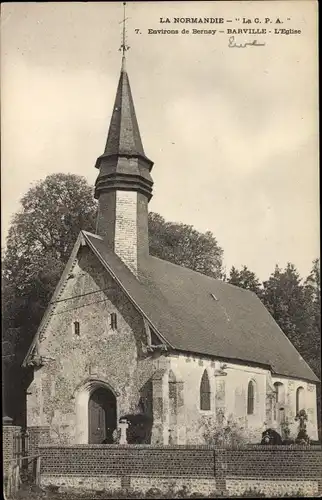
(233, 132)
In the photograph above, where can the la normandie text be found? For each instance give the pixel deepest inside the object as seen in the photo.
(182, 20)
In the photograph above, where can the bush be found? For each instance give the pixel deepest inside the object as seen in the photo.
(253, 494)
(140, 428)
(226, 432)
(153, 493)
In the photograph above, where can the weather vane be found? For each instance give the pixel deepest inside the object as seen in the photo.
(124, 47)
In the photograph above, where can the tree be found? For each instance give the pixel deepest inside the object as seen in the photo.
(312, 292)
(39, 242)
(245, 279)
(53, 212)
(185, 246)
(291, 302)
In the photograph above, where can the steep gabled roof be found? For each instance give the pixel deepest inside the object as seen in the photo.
(198, 314)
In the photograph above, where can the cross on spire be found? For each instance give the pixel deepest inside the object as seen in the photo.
(124, 47)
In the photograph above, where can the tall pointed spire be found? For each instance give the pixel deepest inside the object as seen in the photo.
(124, 134)
(124, 178)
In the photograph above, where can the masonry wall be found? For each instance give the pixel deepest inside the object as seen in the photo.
(200, 469)
(229, 397)
(115, 357)
(308, 402)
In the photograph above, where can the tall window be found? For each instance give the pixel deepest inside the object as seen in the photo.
(250, 398)
(299, 399)
(205, 392)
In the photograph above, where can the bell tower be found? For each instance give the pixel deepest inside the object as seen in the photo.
(124, 183)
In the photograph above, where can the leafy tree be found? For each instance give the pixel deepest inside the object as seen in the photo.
(295, 306)
(245, 279)
(312, 292)
(184, 245)
(284, 296)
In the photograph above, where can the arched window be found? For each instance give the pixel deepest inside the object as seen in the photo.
(205, 392)
(279, 392)
(299, 399)
(250, 398)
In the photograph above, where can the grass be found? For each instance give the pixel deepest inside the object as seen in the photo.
(32, 492)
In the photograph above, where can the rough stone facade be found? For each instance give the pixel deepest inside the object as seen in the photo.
(99, 356)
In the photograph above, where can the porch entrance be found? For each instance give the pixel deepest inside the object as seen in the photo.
(102, 416)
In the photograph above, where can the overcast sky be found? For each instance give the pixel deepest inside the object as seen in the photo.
(233, 132)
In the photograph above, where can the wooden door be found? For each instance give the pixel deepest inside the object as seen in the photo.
(102, 416)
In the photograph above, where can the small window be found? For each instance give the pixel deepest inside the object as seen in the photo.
(76, 328)
(113, 321)
(205, 392)
(250, 398)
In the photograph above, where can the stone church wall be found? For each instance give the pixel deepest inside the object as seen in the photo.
(228, 397)
(228, 394)
(306, 401)
(74, 364)
(98, 353)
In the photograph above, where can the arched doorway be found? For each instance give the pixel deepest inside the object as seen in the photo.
(101, 416)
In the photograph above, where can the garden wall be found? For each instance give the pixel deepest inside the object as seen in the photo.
(201, 469)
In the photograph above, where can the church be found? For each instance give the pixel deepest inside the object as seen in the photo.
(126, 333)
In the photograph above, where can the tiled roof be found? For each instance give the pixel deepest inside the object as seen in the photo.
(199, 314)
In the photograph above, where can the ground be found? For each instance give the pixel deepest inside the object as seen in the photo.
(32, 492)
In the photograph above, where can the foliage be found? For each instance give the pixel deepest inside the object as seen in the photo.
(245, 279)
(183, 245)
(253, 493)
(285, 297)
(225, 431)
(39, 243)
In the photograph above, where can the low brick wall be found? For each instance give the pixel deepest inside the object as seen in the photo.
(115, 460)
(275, 470)
(271, 462)
(8, 438)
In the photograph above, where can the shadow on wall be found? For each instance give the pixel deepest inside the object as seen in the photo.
(139, 430)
